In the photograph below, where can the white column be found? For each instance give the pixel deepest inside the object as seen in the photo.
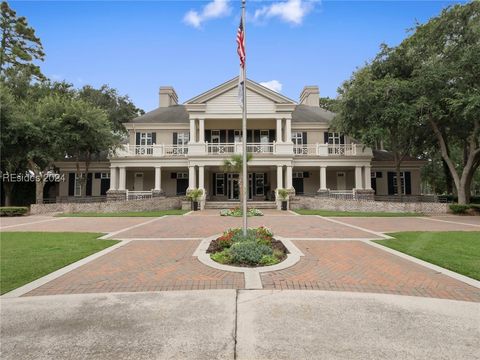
(122, 178)
(323, 178)
(288, 182)
(201, 131)
(367, 177)
(279, 177)
(158, 178)
(113, 178)
(279, 131)
(201, 177)
(288, 130)
(192, 130)
(358, 177)
(191, 177)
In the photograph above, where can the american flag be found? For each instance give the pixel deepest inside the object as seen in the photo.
(241, 43)
(241, 55)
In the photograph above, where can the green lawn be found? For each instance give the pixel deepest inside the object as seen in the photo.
(155, 213)
(27, 256)
(332, 213)
(458, 251)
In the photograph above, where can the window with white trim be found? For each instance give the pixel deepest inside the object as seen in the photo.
(183, 138)
(182, 175)
(259, 183)
(298, 175)
(402, 183)
(335, 138)
(78, 184)
(105, 175)
(146, 138)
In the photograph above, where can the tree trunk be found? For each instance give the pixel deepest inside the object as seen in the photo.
(39, 186)
(473, 155)
(8, 190)
(448, 177)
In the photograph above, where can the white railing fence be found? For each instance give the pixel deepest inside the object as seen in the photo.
(138, 195)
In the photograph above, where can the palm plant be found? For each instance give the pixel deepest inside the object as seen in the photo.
(235, 165)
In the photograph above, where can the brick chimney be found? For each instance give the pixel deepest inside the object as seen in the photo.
(310, 96)
(167, 96)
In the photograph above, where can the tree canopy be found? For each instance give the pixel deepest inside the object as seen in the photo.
(426, 87)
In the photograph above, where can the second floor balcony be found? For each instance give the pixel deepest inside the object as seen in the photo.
(258, 149)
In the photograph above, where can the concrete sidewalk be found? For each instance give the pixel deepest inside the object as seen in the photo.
(224, 324)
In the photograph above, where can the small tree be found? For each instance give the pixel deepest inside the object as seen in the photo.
(235, 165)
(88, 132)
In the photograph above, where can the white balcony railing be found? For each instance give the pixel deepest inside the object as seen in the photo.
(236, 148)
(226, 149)
(329, 150)
(152, 151)
(221, 148)
(342, 149)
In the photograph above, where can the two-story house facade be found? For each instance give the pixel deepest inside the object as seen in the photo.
(177, 147)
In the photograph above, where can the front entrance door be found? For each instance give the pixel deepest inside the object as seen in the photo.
(233, 187)
(341, 182)
(138, 184)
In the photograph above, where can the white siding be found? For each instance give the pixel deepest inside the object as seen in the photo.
(228, 103)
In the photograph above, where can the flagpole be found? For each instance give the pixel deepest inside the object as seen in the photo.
(244, 135)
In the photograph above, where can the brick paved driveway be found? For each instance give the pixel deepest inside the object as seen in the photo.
(356, 266)
(150, 264)
(144, 266)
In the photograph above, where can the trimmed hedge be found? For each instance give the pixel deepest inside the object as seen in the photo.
(463, 209)
(13, 211)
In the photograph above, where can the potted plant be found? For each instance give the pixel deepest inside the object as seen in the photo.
(194, 196)
(283, 196)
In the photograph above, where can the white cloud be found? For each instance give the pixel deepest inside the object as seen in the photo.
(214, 9)
(274, 85)
(290, 11)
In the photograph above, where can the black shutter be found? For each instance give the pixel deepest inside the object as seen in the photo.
(137, 138)
(254, 185)
(208, 135)
(231, 136)
(173, 175)
(304, 138)
(223, 136)
(391, 190)
(88, 191)
(249, 136)
(342, 139)
(306, 174)
(256, 136)
(175, 138)
(271, 135)
(408, 183)
(98, 176)
(154, 138)
(104, 186)
(325, 137)
(71, 184)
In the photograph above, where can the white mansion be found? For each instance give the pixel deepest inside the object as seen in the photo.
(182, 146)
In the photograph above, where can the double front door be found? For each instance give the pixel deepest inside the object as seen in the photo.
(233, 186)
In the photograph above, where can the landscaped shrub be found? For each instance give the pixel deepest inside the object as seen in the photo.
(13, 211)
(237, 212)
(475, 207)
(258, 247)
(459, 209)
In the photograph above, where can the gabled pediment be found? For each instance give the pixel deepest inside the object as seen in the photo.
(253, 89)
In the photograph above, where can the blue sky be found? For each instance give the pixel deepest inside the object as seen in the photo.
(138, 46)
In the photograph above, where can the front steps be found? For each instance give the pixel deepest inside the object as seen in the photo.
(234, 204)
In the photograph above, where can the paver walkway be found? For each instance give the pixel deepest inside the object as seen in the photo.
(356, 266)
